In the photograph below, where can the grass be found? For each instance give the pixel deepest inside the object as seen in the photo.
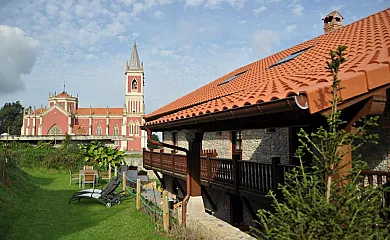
(36, 207)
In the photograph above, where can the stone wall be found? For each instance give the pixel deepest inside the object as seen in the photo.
(257, 144)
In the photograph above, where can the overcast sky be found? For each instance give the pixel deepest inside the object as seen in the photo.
(184, 43)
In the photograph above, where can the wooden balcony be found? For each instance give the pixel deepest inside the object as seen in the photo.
(238, 175)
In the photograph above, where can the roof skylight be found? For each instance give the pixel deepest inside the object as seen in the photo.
(290, 57)
(232, 78)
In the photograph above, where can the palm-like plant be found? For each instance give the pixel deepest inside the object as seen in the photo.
(103, 156)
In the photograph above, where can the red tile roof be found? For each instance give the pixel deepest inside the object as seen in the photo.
(39, 111)
(63, 94)
(99, 111)
(367, 67)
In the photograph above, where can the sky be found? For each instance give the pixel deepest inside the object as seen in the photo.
(184, 44)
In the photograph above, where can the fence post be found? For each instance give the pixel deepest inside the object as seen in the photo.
(116, 173)
(138, 196)
(109, 171)
(165, 208)
(124, 181)
(235, 173)
(274, 169)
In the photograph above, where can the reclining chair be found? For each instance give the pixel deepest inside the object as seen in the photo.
(106, 196)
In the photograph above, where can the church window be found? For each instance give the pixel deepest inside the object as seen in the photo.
(131, 128)
(116, 130)
(136, 128)
(55, 130)
(98, 130)
(134, 85)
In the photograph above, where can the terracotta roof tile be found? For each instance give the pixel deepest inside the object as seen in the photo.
(99, 111)
(367, 67)
(39, 111)
(63, 94)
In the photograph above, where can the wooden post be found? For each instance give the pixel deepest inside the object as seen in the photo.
(124, 181)
(274, 172)
(194, 139)
(138, 196)
(235, 173)
(165, 208)
(109, 172)
(116, 171)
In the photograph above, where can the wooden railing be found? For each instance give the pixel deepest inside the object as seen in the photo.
(240, 174)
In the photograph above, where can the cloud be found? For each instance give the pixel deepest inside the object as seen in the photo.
(297, 10)
(159, 14)
(259, 10)
(290, 28)
(193, 3)
(18, 54)
(263, 40)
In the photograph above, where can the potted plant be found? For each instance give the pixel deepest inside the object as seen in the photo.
(143, 175)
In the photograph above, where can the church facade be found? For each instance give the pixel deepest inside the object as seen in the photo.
(64, 116)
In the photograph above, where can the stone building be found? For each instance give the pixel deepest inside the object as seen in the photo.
(251, 117)
(64, 116)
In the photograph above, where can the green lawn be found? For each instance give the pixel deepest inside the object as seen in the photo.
(36, 207)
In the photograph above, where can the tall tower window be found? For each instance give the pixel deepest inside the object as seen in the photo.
(134, 85)
(136, 128)
(98, 130)
(131, 127)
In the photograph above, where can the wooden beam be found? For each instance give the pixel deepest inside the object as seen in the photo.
(160, 179)
(194, 138)
(208, 197)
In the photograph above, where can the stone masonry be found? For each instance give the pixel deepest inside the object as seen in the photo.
(257, 145)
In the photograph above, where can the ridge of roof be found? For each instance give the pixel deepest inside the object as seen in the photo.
(368, 54)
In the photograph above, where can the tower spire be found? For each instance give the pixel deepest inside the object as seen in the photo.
(134, 59)
(64, 86)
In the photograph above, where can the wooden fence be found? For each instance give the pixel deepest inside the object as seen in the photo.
(240, 174)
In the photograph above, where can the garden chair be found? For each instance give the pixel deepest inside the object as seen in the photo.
(107, 196)
(73, 176)
(88, 167)
(104, 176)
(89, 177)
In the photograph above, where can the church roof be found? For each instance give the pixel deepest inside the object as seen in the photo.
(134, 59)
(63, 94)
(299, 70)
(99, 111)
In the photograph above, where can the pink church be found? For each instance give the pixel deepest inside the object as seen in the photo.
(63, 114)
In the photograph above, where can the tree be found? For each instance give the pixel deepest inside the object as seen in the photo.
(318, 205)
(11, 118)
(103, 156)
(154, 146)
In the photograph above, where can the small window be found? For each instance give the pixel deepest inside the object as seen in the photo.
(98, 130)
(131, 128)
(270, 130)
(291, 57)
(116, 130)
(136, 128)
(337, 19)
(232, 78)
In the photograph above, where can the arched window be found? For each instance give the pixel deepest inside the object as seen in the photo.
(134, 85)
(54, 130)
(116, 130)
(131, 127)
(98, 130)
(136, 130)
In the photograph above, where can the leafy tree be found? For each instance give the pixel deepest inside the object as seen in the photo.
(103, 156)
(153, 146)
(11, 118)
(318, 205)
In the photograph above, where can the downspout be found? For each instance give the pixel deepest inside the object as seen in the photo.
(187, 196)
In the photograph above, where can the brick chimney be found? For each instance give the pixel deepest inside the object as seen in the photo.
(333, 21)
